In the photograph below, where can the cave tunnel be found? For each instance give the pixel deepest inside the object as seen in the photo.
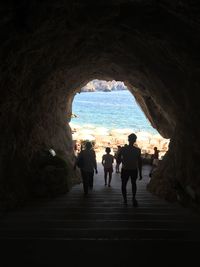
(51, 49)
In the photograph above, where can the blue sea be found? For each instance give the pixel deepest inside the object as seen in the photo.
(112, 110)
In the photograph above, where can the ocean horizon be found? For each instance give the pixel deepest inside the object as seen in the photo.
(110, 110)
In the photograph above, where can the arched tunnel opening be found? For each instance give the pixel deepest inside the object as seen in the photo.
(105, 113)
(47, 56)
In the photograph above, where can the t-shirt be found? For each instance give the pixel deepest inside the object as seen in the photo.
(130, 156)
(88, 160)
(108, 160)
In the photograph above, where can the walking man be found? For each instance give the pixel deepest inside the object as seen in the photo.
(86, 161)
(130, 156)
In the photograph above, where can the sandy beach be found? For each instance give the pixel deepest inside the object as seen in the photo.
(103, 137)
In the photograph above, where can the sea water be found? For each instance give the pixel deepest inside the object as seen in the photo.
(111, 110)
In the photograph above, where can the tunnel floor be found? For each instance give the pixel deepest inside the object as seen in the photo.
(51, 231)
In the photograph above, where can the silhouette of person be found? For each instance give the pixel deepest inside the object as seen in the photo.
(130, 156)
(155, 155)
(107, 162)
(76, 148)
(155, 160)
(86, 161)
(117, 159)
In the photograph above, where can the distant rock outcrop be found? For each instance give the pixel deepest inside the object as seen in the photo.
(100, 85)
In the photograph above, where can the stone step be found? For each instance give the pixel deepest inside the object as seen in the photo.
(77, 226)
(99, 233)
(97, 224)
(101, 252)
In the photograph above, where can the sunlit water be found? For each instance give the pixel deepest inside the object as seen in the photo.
(112, 110)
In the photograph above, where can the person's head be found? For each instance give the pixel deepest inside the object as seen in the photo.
(155, 148)
(132, 138)
(88, 145)
(107, 150)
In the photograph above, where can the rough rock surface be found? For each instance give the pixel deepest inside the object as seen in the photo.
(50, 49)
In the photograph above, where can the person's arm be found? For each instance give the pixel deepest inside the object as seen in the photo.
(119, 156)
(95, 162)
(102, 160)
(140, 165)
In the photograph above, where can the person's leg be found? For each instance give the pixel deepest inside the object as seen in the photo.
(105, 176)
(91, 179)
(151, 172)
(124, 177)
(134, 174)
(110, 177)
(117, 167)
(85, 181)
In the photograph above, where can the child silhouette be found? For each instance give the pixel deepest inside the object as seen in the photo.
(107, 162)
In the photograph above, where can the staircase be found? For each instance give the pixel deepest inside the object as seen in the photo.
(99, 229)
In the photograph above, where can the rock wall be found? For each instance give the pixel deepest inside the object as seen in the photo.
(50, 49)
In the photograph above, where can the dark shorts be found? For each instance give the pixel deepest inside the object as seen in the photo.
(125, 174)
(109, 170)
